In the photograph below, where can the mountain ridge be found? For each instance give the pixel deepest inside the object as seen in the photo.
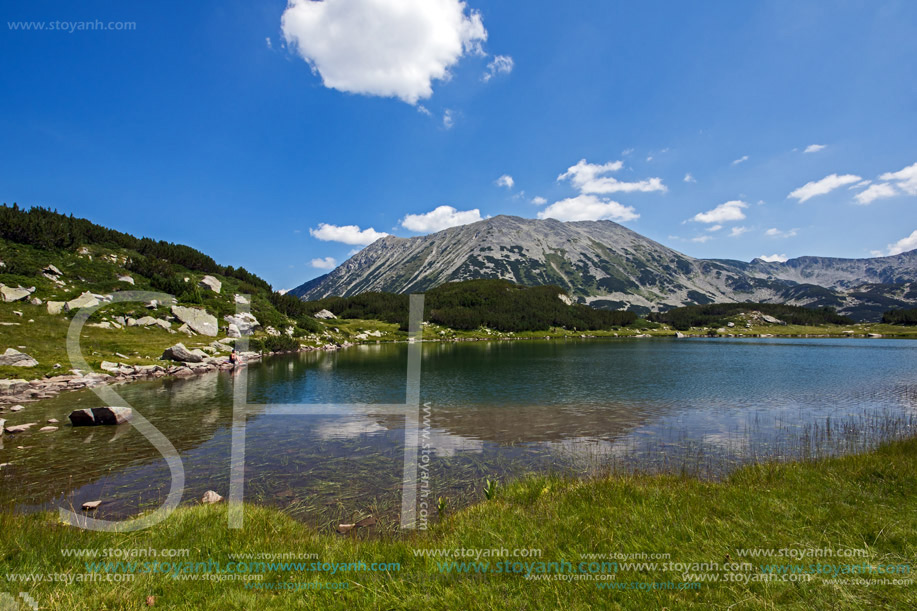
(606, 265)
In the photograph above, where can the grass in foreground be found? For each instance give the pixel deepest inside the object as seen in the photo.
(865, 503)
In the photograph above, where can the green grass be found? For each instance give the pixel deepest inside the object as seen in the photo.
(864, 502)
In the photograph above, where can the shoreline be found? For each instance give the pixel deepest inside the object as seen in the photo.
(15, 391)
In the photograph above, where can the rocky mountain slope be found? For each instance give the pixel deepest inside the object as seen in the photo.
(607, 265)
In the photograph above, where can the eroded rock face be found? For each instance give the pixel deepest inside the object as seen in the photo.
(100, 416)
(197, 320)
(17, 359)
(180, 353)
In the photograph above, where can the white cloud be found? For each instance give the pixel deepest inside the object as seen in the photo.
(268, 41)
(326, 263)
(859, 185)
(424, 110)
(539, 201)
(702, 238)
(814, 148)
(906, 179)
(737, 231)
(715, 228)
(588, 208)
(877, 191)
(589, 178)
(505, 181)
(741, 159)
(348, 234)
(689, 178)
(774, 258)
(904, 244)
(821, 187)
(395, 48)
(730, 211)
(627, 152)
(448, 120)
(773, 232)
(440, 218)
(649, 158)
(501, 64)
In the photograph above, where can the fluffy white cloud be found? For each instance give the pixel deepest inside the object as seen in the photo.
(741, 159)
(590, 178)
(821, 187)
(588, 208)
(730, 211)
(689, 178)
(539, 200)
(877, 191)
(440, 218)
(773, 232)
(904, 244)
(325, 263)
(814, 148)
(774, 258)
(501, 64)
(348, 234)
(391, 48)
(737, 231)
(905, 179)
(448, 119)
(506, 181)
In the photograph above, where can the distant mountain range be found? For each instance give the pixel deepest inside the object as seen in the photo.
(606, 265)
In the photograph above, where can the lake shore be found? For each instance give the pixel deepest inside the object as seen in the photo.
(834, 533)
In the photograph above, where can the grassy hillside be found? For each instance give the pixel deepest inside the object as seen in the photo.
(776, 536)
(720, 314)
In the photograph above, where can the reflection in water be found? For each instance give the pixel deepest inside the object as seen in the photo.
(496, 410)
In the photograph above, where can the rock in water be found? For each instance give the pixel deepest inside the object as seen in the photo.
(209, 282)
(179, 352)
(198, 320)
(2, 424)
(211, 497)
(19, 428)
(90, 505)
(17, 359)
(100, 416)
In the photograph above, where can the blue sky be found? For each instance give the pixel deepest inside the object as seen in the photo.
(261, 132)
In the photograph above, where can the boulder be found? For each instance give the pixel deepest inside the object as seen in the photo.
(36, 301)
(180, 353)
(233, 330)
(91, 505)
(324, 315)
(86, 300)
(245, 322)
(100, 416)
(211, 497)
(47, 429)
(209, 282)
(197, 320)
(127, 279)
(2, 424)
(240, 299)
(186, 330)
(17, 408)
(50, 269)
(17, 359)
(109, 366)
(772, 320)
(9, 293)
(149, 321)
(55, 307)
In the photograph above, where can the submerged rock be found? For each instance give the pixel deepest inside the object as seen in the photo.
(100, 416)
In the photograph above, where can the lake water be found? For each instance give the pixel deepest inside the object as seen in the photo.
(495, 410)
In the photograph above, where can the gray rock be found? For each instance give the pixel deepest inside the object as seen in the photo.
(36, 301)
(180, 353)
(245, 322)
(198, 320)
(209, 282)
(127, 279)
(50, 269)
(19, 428)
(17, 408)
(772, 320)
(109, 366)
(9, 293)
(324, 315)
(2, 424)
(186, 330)
(211, 497)
(233, 330)
(86, 300)
(17, 359)
(55, 307)
(47, 429)
(240, 299)
(100, 416)
(91, 505)
(149, 321)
